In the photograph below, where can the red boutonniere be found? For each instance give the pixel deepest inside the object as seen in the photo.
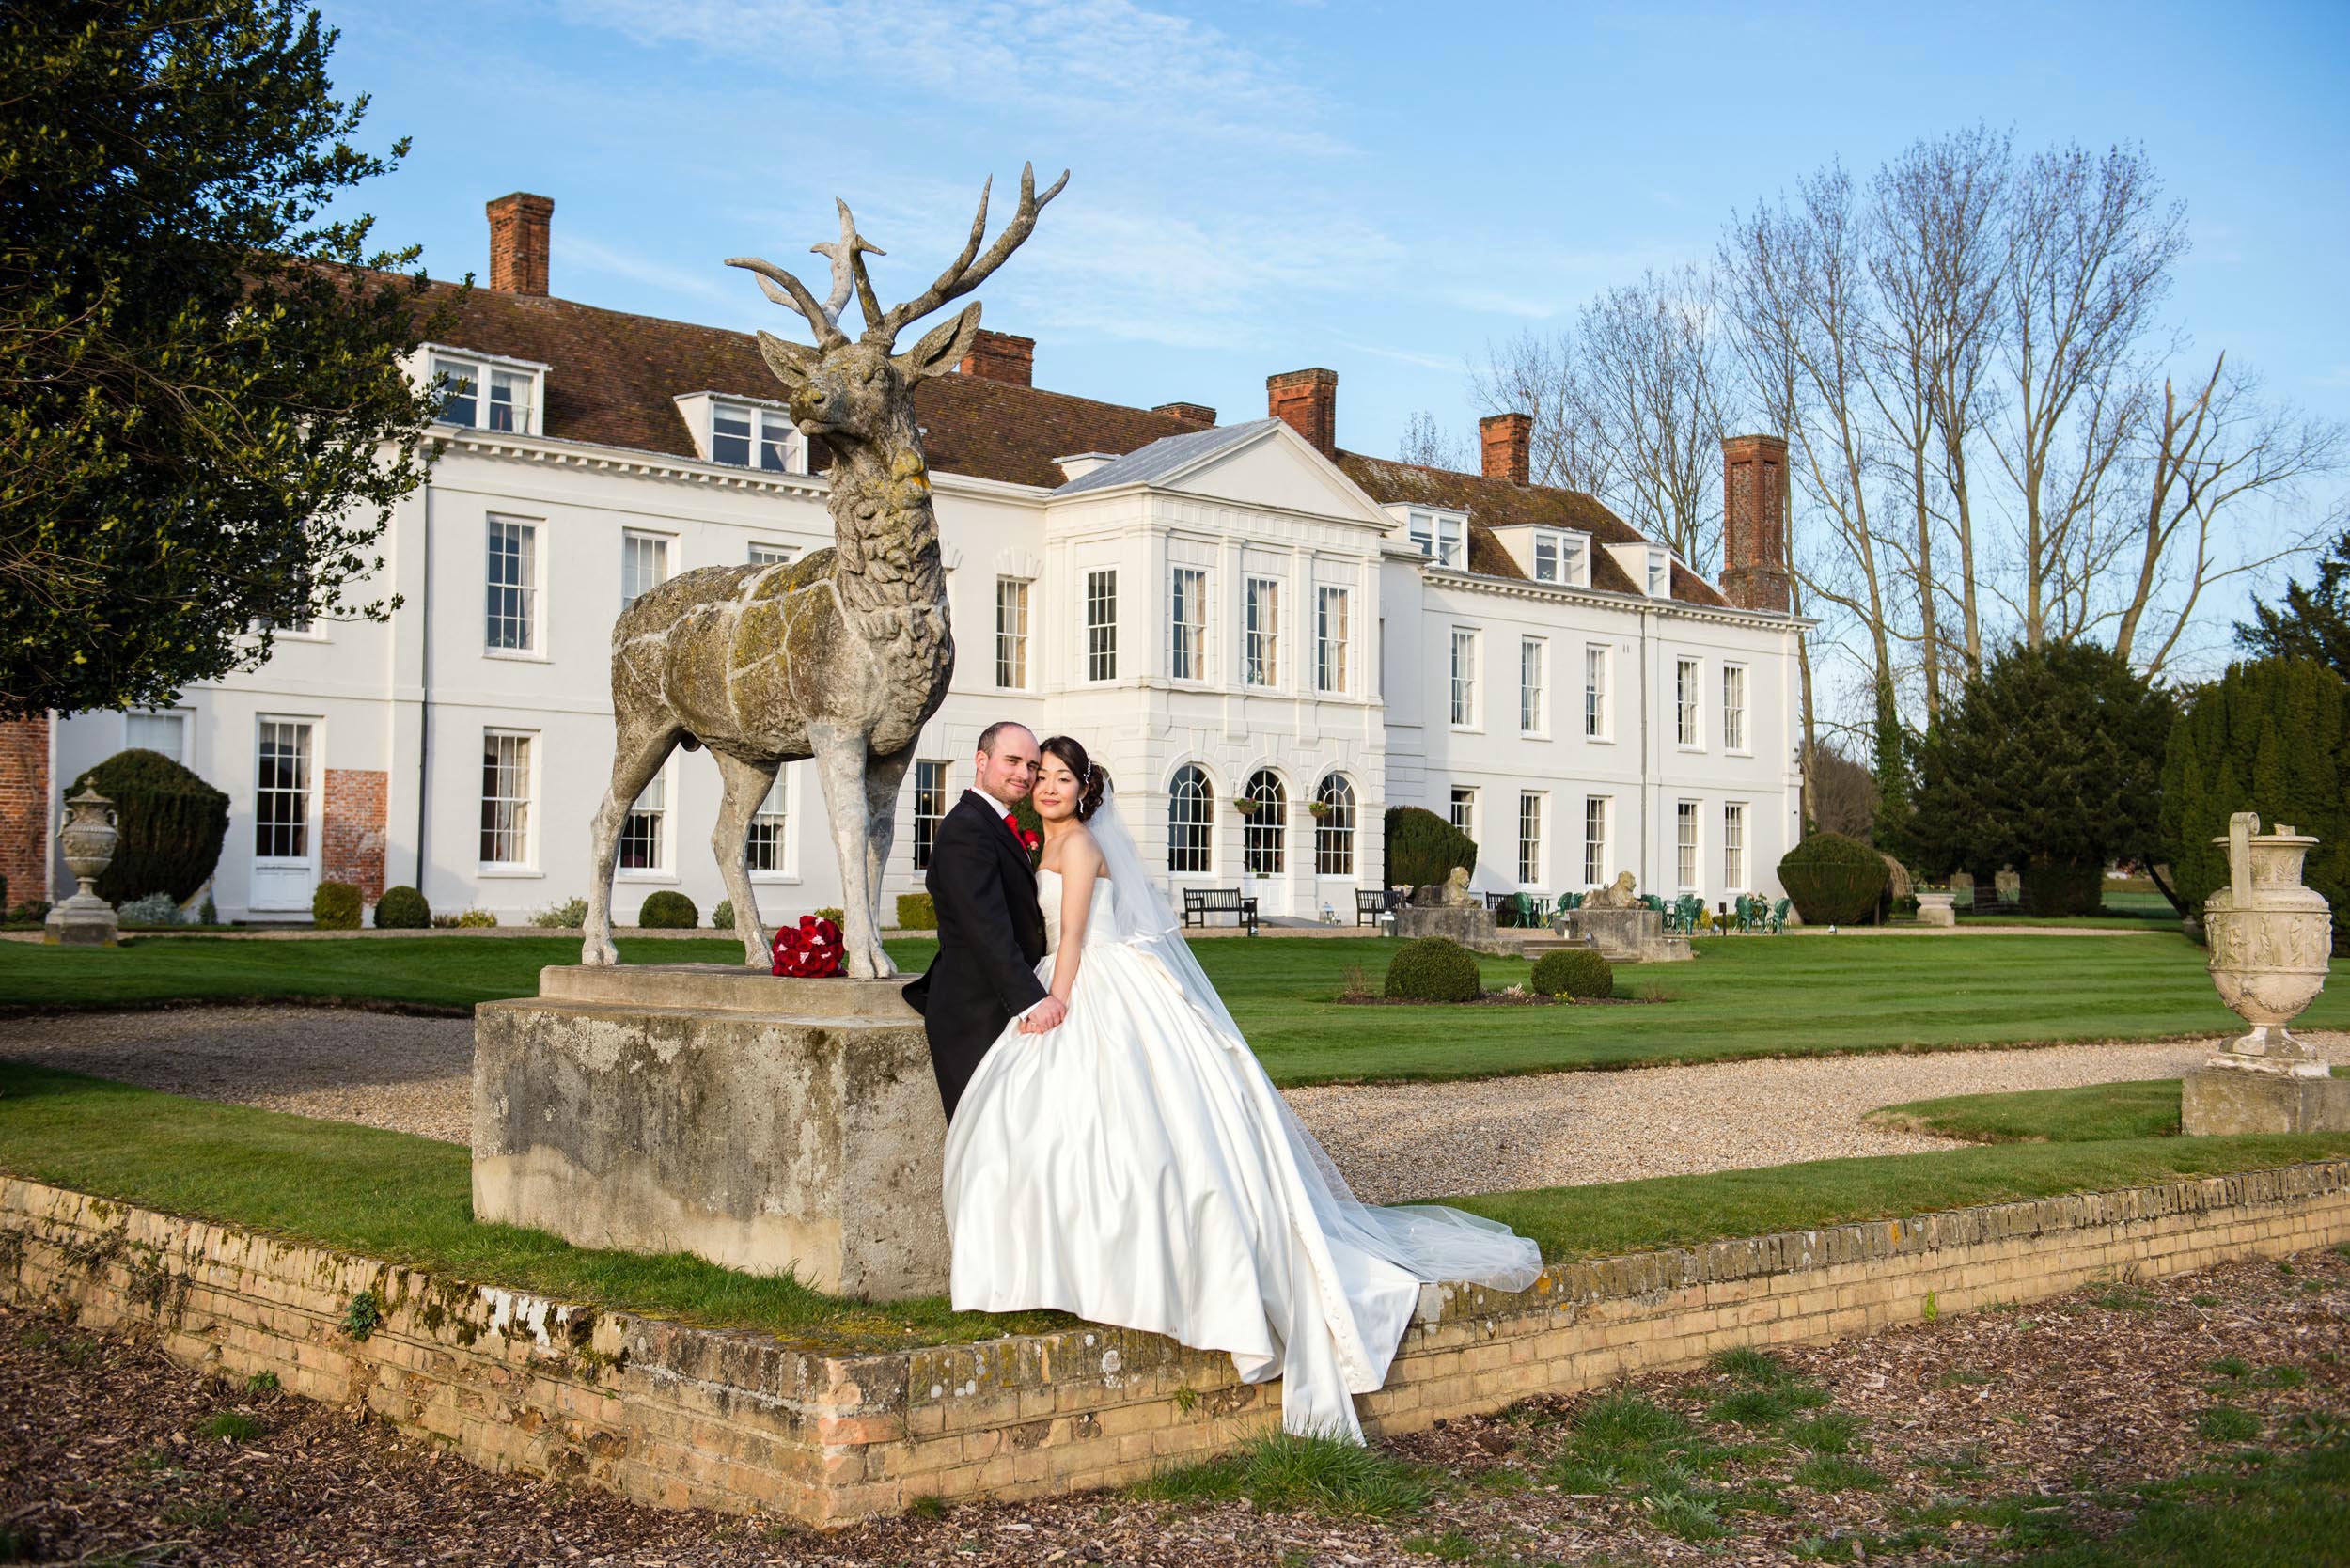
(811, 951)
(1034, 844)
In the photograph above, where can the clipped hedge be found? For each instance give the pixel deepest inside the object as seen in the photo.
(172, 824)
(1422, 847)
(1834, 880)
(1434, 969)
(403, 908)
(916, 912)
(722, 916)
(1573, 972)
(2064, 887)
(336, 906)
(668, 910)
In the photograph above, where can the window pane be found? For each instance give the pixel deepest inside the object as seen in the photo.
(641, 830)
(512, 584)
(1465, 810)
(1012, 632)
(460, 390)
(731, 435)
(281, 794)
(1330, 639)
(776, 442)
(505, 799)
(1734, 707)
(1734, 848)
(1529, 839)
(1595, 840)
(1190, 824)
(1101, 625)
(1465, 678)
(1187, 624)
(1448, 546)
(763, 847)
(1686, 679)
(1686, 836)
(1333, 827)
(1262, 643)
(163, 732)
(1530, 685)
(930, 807)
(510, 401)
(1264, 841)
(1546, 557)
(770, 555)
(644, 565)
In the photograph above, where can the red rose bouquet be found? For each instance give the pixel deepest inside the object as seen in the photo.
(811, 950)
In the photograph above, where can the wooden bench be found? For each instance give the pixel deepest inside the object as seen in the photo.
(1200, 902)
(1371, 902)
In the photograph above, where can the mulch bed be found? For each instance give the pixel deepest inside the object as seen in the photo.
(104, 1458)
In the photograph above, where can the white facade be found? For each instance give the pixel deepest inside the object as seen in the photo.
(1250, 614)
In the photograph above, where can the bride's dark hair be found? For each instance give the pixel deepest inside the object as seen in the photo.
(1092, 780)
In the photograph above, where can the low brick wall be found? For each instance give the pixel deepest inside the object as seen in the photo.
(682, 1416)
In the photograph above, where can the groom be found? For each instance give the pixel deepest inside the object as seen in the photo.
(991, 934)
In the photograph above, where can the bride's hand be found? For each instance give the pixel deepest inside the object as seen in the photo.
(1047, 1015)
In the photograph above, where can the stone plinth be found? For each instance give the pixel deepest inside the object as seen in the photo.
(1938, 909)
(84, 920)
(1473, 926)
(765, 1124)
(2222, 1101)
(1635, 935)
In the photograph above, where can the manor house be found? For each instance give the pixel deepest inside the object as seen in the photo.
(1267, 638)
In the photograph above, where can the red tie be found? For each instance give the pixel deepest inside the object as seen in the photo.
(1012, 821)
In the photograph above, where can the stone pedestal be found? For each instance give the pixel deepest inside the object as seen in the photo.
(1938, 909)
(765, 1124)
(1473, 926)
(1635, 935)
(2219, 1101)
(84, 920)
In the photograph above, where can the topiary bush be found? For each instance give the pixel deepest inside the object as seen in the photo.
(571, 914)
(1573, 972)
(668, 910)
(336, 906)
(722, 917)
(172, 824)
(1422, 847)
(1434, 969)
(403, 908)
(1833, 880)
(916, 912)
(833, 912)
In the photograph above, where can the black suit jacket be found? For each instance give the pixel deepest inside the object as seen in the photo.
(991, 937)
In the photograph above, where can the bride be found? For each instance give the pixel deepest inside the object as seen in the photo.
(1135, 1166)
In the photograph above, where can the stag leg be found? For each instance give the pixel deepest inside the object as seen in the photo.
(882, 775)
(747, 784)
(841, 766)
(642, 745)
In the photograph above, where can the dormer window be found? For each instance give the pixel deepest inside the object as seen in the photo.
(483, 393)
(1437, 535)
(1562, 557)
(743, 432)
(1660, 574)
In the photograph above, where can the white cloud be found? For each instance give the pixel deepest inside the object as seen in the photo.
(574, 252)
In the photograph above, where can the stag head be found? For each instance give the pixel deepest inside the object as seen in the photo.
(857, 391)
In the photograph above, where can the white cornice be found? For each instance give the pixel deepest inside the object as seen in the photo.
(587, 455)
(1513, 587)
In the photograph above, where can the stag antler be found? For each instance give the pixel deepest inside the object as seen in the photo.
(847, 271)
(960, 276)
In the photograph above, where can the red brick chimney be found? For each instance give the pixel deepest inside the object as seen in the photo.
(1001, 356)
(24, 808)
(1191, 414)
(518, 244)
(1307, 402)
(1754, 522)
(1509, 443)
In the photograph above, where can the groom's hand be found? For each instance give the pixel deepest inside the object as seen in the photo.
(1046, 1014)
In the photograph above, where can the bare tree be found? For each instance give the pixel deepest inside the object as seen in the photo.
(1430, 445)
(2217, 451)
(2090, 244)
(1844, 795)
(1538, 376)
(1647, 369)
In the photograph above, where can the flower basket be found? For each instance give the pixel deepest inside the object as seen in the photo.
(1245, 806)
(1318, 809)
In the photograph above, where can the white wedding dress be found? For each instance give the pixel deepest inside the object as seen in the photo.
(1136, 1167)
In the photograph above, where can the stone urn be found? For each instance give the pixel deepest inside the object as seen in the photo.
(88, 838)
(1937, 906)
(2271, 939)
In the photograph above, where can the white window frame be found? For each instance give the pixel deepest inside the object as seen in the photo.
(1264, 837)
(182, 719)
(1332, 605)
(1461, 808)
(1194, 833)
(1569, 553)
(633, 542)
(662, 786)
(1660, 574)
(1734, 846)
(1260, 634)
(1737, 738)
(771, 442)
(1599, 708)
(528, 800)
(1688, 845)
(1187, 623)
(1689, 703)
(1334, 828)
(933, 776)
(763, 553)
(1534, 807)
(774, 813)
(1535, 687)
(530, 588)
(309, 785)
(1439, 535)
(1598, 825)
(1013, 644)
(487, 374)
(1466, 696)
(1101, 625)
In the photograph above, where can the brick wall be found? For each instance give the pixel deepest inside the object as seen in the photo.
(352, 845)
(687, 1416)
(1754, 522)
(24, 807)
(1001, 356)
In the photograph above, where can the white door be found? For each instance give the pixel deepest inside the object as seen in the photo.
(1265, 846)
(285, 847)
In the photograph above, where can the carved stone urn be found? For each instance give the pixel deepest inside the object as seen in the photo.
(88, 838)
(2271, 942)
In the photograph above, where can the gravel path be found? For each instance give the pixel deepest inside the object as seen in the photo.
(1394, 1141)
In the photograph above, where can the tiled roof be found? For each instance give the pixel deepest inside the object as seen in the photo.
(616, 377)
(1166, 455)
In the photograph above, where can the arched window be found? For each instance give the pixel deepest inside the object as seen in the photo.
(1190, 824)
(1333, 827)
(1265, 838)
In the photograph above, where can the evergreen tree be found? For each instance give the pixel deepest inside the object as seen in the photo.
(2051, 760)
(199, 374)
(2313, 623)
(1888, 817)
(2271, 737)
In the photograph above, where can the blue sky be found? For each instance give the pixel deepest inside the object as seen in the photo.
(1380, 188)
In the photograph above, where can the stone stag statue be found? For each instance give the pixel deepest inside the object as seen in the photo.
(840, 657)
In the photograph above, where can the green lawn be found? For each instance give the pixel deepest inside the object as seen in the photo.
(1742, 997)
(2145, 1107)
(408, 1199)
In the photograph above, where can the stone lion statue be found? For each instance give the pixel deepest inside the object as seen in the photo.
(1456, 888)
(1616, 895)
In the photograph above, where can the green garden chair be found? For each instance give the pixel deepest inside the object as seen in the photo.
(1778, 917)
